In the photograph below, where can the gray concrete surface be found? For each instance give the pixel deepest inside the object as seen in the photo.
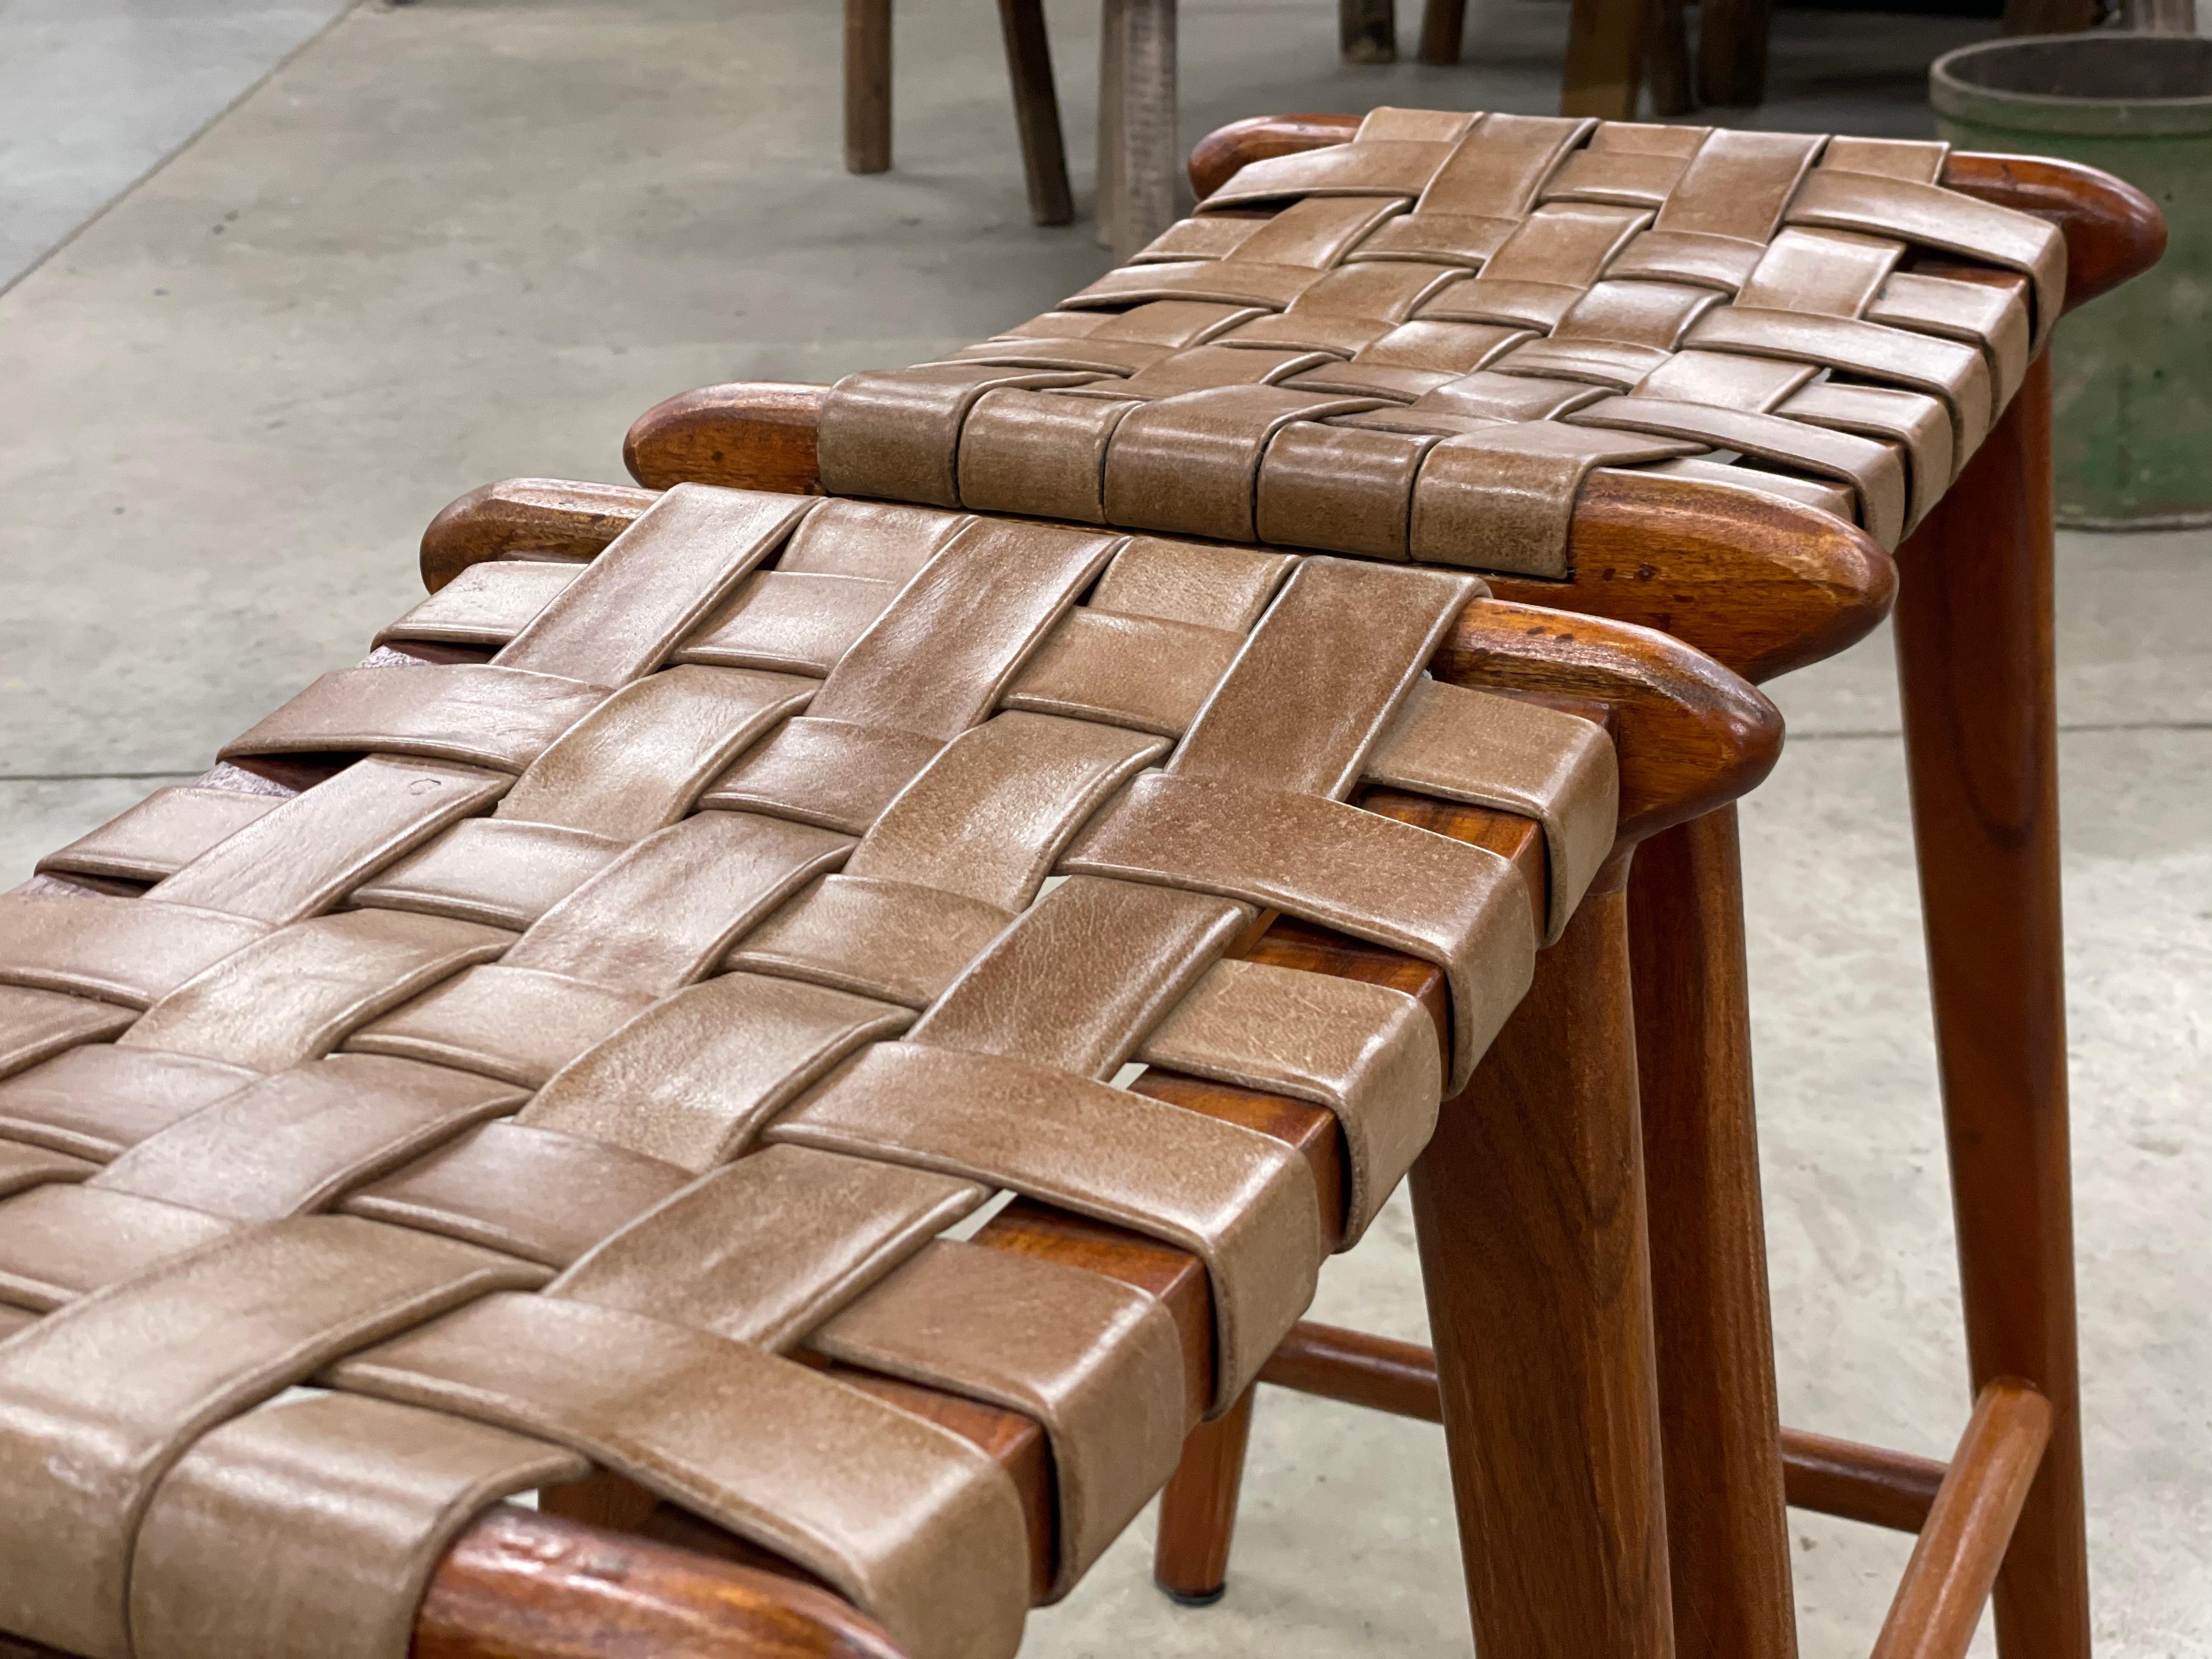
(471, 239)
(95, 92)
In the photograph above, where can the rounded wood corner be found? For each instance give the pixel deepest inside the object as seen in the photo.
(550, 516)
(1692, 735)
(747, 435)
(1760, 583)
(1216, 157)
(2113, 231)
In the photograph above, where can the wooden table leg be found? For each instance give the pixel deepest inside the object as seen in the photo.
(1036, 111)
(1666, 58)
(1140, 144)
(1974, 657)
(1529, 1209)
(1443, 26)
(867, 86)
(1197, 1508)
(1732, 51)
(1604, 58)
(1728, 1537)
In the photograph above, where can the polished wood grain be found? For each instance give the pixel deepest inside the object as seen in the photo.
(532, 518)
(1729, 1542)
(1691, 735)
(2113, 231)
(1962, 1544)
(1871, 1485)
(1528, 1208)
(1377, 1373)
(1981, 732)
(1198, 1508)
(519, 1583)
(1758, 583)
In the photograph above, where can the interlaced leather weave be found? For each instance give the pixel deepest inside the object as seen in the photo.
(1419, 343)
(674, 947)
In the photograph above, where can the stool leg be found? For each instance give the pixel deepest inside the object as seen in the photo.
(1604, 58)
(1974, 655)
(1732, 51)
(1036, 111)
(1727, 1536)
(1666, 58)
(1138, 76)
(1529, 1209)
(1443, 26)
(1197, 1510)
(867, 86)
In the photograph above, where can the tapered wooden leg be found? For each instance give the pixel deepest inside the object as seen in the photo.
(1974, 656)
(1666, 58)
(1036, 111)
(1604, 58)
(1367, 31)
(1107, 206)
(1529, 1209)
(1728, 1537)
(1732, 50)
(1138, 76)
(867, 86)
(1197, 1510)
(1443, 26)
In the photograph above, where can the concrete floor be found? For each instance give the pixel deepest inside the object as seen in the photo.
(471, 238)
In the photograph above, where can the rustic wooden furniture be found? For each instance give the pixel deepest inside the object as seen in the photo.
(533, 580)
(1036, 104)
(1974, 636)
(1139, 146)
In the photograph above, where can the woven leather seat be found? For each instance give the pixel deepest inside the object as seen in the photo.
(1419, 343)
(667, 951)
(1444, 336)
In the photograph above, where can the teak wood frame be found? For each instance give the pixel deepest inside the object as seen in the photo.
(1765, 588)
(603, 1570)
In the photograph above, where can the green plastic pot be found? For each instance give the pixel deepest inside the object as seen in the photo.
(2132, 372)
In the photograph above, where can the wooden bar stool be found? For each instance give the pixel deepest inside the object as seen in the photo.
(1140, 145)
(1973, 641)
(1028, 67)
(564, 1040)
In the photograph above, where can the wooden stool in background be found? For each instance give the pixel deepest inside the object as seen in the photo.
(1037, 105)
